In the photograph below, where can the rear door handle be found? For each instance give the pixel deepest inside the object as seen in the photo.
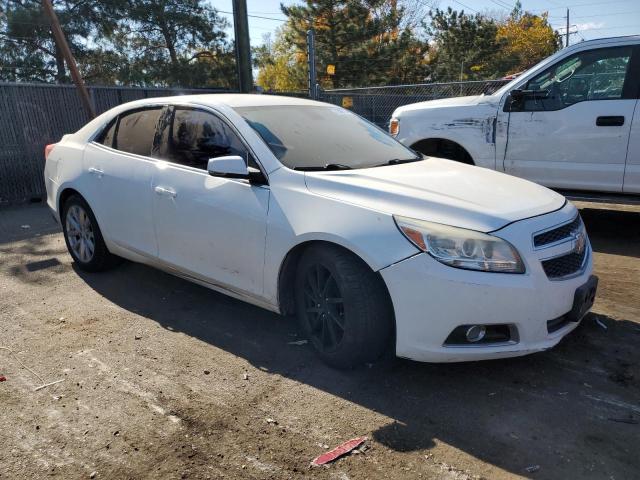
(165, 191)
(611, 121)
(96, 171)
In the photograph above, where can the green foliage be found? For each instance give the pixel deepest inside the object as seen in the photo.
(477, 47)
(464, 45)
(363, 39)
(123, 42)
(173, 42)
(281, 66)
(183, 43)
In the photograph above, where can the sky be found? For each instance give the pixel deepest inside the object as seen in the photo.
(588, 18)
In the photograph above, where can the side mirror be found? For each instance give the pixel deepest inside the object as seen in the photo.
(234, 166)
(517, 97)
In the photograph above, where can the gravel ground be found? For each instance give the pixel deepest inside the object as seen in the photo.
(165, 379)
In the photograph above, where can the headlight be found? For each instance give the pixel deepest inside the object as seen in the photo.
(461, 248)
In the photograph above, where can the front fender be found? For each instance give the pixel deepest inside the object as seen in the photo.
(473, 128)
(297, 216)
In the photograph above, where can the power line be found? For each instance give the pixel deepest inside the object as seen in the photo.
(466, 6)
(502, 4)
(254, 16)
(606, 14)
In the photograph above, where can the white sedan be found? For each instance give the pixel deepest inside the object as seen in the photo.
(303, 207)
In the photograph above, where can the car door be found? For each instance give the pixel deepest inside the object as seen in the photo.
(208, 227)
(120, 169)
(632, 168)
(571, 130)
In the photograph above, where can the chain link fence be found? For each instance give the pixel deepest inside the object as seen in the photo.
(377, 104)
(33, 115)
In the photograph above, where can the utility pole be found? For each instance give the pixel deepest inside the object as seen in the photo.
(567, 28)
(311, 61)
(243, 46)
(62, 44)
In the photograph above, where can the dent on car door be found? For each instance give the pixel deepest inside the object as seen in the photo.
(120, 169)
(209, 227)
(571, 128)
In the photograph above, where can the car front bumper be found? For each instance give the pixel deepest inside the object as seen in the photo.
(431, 299)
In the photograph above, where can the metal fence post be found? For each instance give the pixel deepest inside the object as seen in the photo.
(311, 60)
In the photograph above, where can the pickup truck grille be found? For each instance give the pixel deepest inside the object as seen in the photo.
(557, 234)
(564, 265)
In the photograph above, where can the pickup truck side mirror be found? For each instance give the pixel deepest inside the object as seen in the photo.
(517, 97)
(234, 166)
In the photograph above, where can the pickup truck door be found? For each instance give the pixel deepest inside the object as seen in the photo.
(209, 228)
(569, 127)
(632, 170)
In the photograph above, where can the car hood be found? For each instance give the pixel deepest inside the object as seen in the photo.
(441, 191)
(448, 102)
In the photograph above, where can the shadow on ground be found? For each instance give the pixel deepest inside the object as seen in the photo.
(560, 408)
(613, 231)
(571, 409)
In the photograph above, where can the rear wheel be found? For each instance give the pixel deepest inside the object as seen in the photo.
(83, 237)
(342, 306)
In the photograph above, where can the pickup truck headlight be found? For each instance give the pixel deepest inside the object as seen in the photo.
(461, 248)
(394, 127)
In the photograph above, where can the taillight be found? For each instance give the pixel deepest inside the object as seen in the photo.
(48, 148)
(394, 127)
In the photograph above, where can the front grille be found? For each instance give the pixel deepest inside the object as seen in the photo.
(565, 265)
(557, 234)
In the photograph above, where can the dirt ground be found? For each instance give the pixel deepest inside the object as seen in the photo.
(166, 379)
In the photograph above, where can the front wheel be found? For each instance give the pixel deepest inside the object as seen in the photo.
(342, 306)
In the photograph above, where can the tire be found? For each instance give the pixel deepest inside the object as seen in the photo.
(348, 333)
(81, 231)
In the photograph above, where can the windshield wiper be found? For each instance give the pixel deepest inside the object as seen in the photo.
(328, 166)
(397, 161)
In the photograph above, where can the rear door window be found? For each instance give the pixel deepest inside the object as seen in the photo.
(193, 136)
(108, 134)
(136, 130)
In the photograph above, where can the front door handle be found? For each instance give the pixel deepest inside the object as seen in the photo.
(96, 171)
(610, 121)
(165, 191)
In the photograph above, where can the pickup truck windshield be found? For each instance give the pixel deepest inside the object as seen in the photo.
(307, 137)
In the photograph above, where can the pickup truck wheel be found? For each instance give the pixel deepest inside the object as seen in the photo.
(83, 237)
(442, 148)
(342, 306)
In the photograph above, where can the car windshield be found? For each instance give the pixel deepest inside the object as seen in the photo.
(309, 137)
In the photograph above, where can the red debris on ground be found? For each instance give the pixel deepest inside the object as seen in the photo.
(3, 378)
(339, 451)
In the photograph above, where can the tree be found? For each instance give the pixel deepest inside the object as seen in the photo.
(362, 39)
(525, 39)
(464, 45)
(28, 50)
(126, 42)
(281, 66)
(174, 42)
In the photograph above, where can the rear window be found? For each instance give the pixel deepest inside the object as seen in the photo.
(136, 130)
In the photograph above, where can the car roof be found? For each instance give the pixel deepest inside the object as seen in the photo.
(233, 100)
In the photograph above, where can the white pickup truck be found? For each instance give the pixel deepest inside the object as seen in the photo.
(572, 122)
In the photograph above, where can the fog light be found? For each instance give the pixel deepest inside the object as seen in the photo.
(475, 333)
